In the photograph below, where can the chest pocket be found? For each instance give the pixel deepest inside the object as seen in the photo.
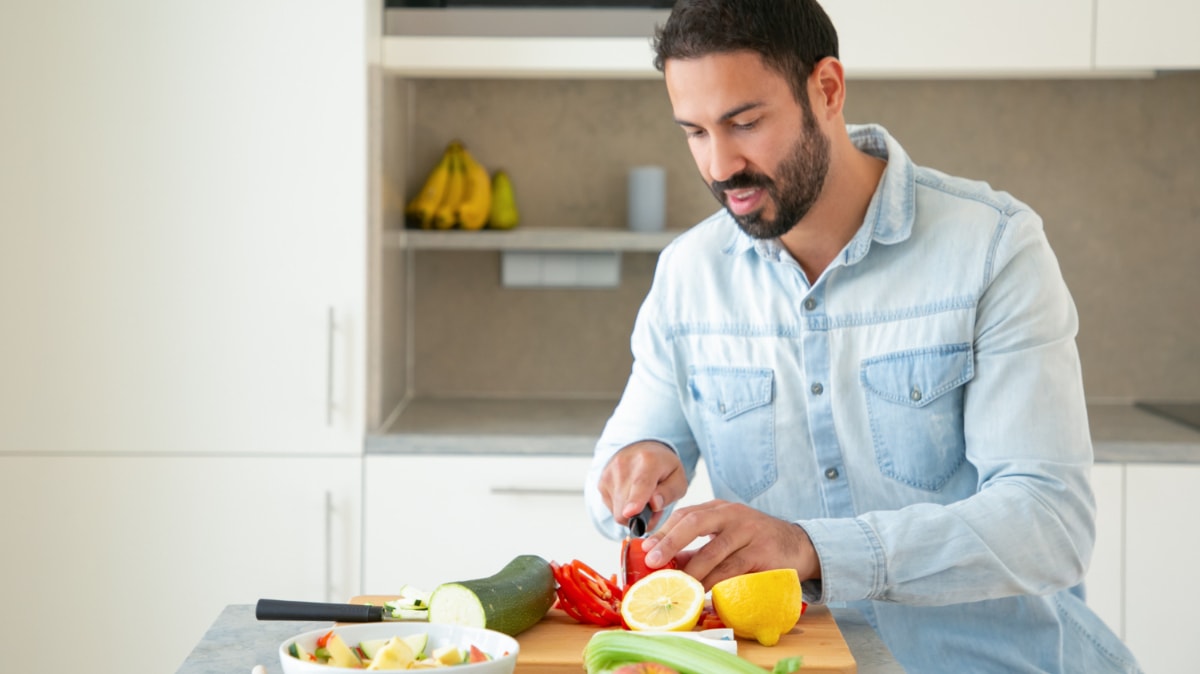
(915, 405)
(736, 409)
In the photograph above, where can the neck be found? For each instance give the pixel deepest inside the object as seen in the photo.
(826, 229)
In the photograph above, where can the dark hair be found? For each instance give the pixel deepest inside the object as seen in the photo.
(790, 35)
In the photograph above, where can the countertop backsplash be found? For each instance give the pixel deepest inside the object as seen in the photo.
(1113, 167)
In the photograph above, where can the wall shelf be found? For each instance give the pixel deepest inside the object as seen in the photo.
(532, 239)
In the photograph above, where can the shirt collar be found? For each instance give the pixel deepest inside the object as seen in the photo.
(890, 214)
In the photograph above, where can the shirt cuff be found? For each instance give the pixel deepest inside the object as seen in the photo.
(852, 562)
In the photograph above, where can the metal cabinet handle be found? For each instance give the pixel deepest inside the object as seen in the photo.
(536, 491)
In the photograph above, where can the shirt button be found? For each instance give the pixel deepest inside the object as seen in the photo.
(817, 389)
(831, 473)
(915, 395)
(810, 304)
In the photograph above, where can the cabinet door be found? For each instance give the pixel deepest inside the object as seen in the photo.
(152, 549)
(432, 519)
(1147, 34)
(1105, 577)
(898, 37)
(1162, 555)
(183, 195)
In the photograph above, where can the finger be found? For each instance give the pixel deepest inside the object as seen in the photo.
(652, 475)
(723, 556)
(616, 480)
(684, 556)
(606, 485)
(761, 543)
(672, 487)
(683, 527)
(735, 563)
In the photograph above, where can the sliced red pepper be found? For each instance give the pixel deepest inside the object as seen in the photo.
(598, 583)
(323, 640)
(573, 593)
(709, 619)
(587, 617)
(585, 595)
(569, 608)
(582, 601)
(591, 601)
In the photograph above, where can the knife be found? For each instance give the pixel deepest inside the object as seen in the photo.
(283, 609)
(637, 529)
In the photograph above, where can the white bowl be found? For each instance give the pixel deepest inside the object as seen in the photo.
(500, 646)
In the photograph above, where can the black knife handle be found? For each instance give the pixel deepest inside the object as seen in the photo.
(283, 609)
(641, 522)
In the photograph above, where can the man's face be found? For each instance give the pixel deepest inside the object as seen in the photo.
(762, 154)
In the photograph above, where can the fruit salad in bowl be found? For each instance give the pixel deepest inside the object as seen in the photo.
(398, 646)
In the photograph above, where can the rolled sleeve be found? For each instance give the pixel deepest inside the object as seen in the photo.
(855, 551)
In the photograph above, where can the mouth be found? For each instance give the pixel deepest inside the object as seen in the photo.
(744, 201)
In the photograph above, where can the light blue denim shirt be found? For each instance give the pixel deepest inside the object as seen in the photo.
(918, 410)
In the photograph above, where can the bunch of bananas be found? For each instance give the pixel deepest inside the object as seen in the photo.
(459, 193)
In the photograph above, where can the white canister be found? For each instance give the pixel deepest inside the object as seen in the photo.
(647, 198)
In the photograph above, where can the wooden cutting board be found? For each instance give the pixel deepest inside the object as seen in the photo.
(555, 645)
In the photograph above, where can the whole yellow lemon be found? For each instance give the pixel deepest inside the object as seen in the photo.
(760, 606)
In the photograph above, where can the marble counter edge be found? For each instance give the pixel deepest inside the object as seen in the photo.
(1121, 433)
(236, 642)
(480, 444)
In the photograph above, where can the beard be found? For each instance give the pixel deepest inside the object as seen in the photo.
(794, 190)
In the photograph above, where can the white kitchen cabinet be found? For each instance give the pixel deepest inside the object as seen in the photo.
(432, 519)
(1106, 575)
(1147, 34)
(129, 559)
(1162, 554)
(184, 196)
(890, 38)
(878, 38)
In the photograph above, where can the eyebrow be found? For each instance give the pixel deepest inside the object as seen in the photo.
(725, 117)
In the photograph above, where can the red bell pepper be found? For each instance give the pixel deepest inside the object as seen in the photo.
(585, 595)
(635, 562)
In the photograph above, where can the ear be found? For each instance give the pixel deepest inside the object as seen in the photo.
(828, 86)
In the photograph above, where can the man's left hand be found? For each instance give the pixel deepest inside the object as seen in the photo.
(741, 540)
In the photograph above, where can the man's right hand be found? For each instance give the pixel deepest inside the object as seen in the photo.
(641, 473)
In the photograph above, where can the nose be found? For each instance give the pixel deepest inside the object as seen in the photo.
(725, 159)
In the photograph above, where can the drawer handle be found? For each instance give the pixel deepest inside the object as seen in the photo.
(536, 491)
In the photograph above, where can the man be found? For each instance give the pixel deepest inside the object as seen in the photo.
(875, 360)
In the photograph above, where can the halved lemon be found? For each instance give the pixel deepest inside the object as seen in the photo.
(667, 600)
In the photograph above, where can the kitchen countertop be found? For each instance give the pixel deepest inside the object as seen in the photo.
(1121, 432)
(237, 641)
(1128, 434)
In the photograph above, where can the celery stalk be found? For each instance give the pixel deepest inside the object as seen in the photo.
(610, 649)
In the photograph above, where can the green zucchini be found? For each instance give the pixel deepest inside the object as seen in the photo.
(511, 601)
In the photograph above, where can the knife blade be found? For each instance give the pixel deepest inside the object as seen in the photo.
(638, 525)
(284, 609)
